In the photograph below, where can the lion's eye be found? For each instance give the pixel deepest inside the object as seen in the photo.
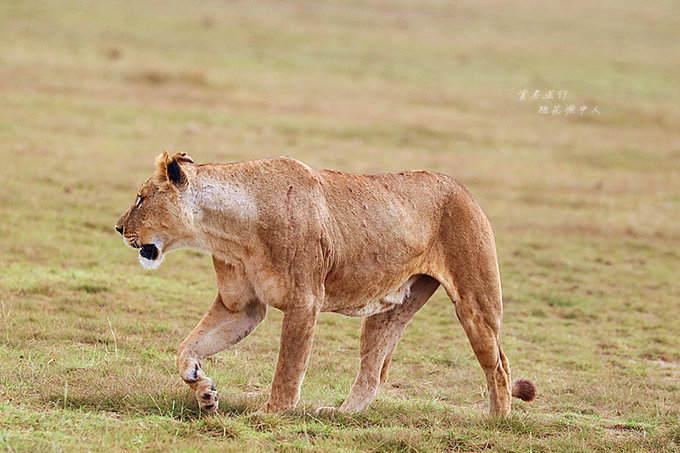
(140, 199)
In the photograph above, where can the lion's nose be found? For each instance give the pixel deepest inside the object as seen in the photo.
(119, 229)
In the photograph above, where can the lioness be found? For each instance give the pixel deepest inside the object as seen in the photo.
(304, 241)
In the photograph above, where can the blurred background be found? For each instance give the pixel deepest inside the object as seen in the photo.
(561, 118)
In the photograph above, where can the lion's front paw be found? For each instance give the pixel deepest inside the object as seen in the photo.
(276, 408)
(207, 397)
(191, 372)
(326, 410)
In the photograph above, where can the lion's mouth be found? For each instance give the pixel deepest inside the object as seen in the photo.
(132, 241)
(149, 251)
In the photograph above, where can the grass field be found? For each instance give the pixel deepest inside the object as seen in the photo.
(585, 206)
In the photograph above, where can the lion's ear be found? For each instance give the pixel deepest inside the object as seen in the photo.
(183, 157)
(169, 172)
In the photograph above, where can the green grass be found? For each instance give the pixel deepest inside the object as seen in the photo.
(585, 210)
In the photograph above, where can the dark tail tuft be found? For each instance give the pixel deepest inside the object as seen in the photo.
(524, 390)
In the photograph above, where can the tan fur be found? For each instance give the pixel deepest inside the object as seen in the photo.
(303, 241)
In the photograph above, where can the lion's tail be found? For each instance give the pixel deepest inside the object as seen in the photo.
(524, 390)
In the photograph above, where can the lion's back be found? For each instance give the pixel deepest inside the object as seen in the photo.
(406, 197)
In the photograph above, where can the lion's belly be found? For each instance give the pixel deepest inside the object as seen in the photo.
(358, 304)
(369, 308)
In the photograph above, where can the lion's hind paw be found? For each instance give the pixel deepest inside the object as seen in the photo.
(326, 410)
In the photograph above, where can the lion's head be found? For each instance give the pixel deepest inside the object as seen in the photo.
(159, 219)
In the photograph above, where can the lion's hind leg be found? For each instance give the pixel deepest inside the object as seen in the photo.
(379, 337)
(480, 317)
(474, 288)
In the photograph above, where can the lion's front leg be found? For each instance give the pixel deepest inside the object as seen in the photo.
(297, 333)
(219, 329)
